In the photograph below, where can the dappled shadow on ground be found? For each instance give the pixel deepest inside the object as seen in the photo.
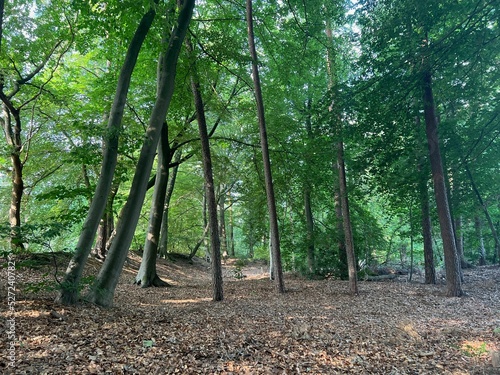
(392, 327)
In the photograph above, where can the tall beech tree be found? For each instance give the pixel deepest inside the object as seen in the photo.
(69, 292)
(215, 248)
(271, 201)
(452, 264)
(147, 275)
(102, 291)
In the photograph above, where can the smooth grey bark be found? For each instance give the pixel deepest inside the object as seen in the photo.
(271, 202)
(163, 248)
(215, 256)
(104, 287)
(147, 275)
(453, 279)
(70, 284)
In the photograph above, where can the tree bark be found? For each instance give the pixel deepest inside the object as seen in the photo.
(104, 287)
(346, 219)
(215, 245)
(479, 234)
(343, 201)
(168, 196)
(271, 203)
(311, 261)
(69, 291)
(453, 282)
(11, 121)
(430, 270)
(231, 227)
(222, 221)
(147, 276)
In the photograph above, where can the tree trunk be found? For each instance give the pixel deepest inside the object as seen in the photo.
(311, 261)
(69, 292)
(479, 234)
(346, 218)
(12, 133)
(147, 276)
(343, 202)
(217, 291)
(430, 270)
(103, 289)
(170, 190)
(453, 282)
(231, 228)
(271, 203)
(222, 222)
(486, 212)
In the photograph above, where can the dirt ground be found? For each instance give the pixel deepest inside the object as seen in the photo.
(392, 327)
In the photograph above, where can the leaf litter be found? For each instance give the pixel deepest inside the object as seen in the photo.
(391, 327)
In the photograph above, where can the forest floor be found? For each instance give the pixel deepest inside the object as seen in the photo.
(392, 327)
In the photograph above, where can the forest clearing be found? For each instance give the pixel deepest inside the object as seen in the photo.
(316, 327)
(315, 143)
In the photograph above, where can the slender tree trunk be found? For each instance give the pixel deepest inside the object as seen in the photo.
(479, 234)
(222, 222)
(346, 218)
(271, 203)
(147, 276)
(170, 190)
(206, 224)
(231, 228)
(103, 289)
(453, 282)
(430, 270)
(69, 292)
(311, 261)
(12, 130)
(342, 188)
(217, 291)
(484, 207)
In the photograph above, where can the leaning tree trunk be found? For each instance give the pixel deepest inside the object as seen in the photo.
(215, 256)
(147, 275)
(69, 291)
(104, 287)
(453, 282)
(271, 202)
